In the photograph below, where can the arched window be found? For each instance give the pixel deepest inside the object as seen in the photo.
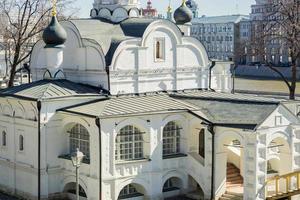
(4, 138)
(130, 191)
(79, 138)
(21, 143)
(172, 184)
(129, 144)
(158, 53)
(171, 139)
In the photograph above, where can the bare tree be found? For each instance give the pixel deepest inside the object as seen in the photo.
(26, 20)
(282, 26)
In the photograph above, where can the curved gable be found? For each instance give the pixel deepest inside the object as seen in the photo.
(160, 59)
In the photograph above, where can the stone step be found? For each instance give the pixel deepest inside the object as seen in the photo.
(232, 175)
(230, 171)
(236, 178)
(230, 185)
(233, 193)
(231, 196)
(234, 186)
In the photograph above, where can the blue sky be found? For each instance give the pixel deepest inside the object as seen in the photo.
(206, 7)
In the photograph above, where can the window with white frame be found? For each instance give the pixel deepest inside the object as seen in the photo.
(21, 143)
(80, 138)
(129, 144)
(171, 139)
(4, 138)
(159, 49)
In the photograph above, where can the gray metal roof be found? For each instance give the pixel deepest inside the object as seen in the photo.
(217, 108)
(219, 19)
(47, 89)
(228, 112)
(209, 95)
(108, 34)
(129, 105)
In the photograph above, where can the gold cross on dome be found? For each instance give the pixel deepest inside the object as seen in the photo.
(54, 12)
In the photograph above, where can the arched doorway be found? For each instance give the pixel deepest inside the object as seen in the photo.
(132, 191)
(194, 189)
(279, 162)
(279, 149)
(70, 191)
(172, 187)
(230, 168)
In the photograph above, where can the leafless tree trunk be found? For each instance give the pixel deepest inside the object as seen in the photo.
(283, 24)
(26, 19)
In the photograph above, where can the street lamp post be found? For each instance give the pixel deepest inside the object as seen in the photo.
(76, 160)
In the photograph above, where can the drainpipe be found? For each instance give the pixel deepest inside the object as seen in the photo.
(98, 124)
(210, 128)
(39, 106)
(108, 77)
(213, 64)
(233, 79)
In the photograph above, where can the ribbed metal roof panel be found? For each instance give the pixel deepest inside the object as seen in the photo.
(129, 105)
(219, 108)
(45, 89)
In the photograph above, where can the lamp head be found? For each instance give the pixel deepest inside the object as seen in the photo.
(77, 158)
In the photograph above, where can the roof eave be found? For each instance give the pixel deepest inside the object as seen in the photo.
(19, 97)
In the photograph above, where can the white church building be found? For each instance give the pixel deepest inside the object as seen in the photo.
(154, 117)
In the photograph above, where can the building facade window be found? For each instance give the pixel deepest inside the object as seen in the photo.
(202, 143)
(79, 138)
(129, 191)
(21, 143)
(129, 144)
(159, 49)
(172, 184)
(171, 139)
(4, 138)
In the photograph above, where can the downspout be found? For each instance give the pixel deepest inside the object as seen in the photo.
(98, 124)
(108, 77)
(233, 79)
(213, 64)
(210, 128)
(39, 106)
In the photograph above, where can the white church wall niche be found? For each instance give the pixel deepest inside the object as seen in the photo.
(167, 49)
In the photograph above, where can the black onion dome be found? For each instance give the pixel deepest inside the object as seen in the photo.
(183, 14)
(54, 34)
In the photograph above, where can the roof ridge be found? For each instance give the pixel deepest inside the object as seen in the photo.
(46, 90)
(226, 99)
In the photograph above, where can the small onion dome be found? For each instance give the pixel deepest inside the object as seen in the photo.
(54, 34)
(183, 14)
